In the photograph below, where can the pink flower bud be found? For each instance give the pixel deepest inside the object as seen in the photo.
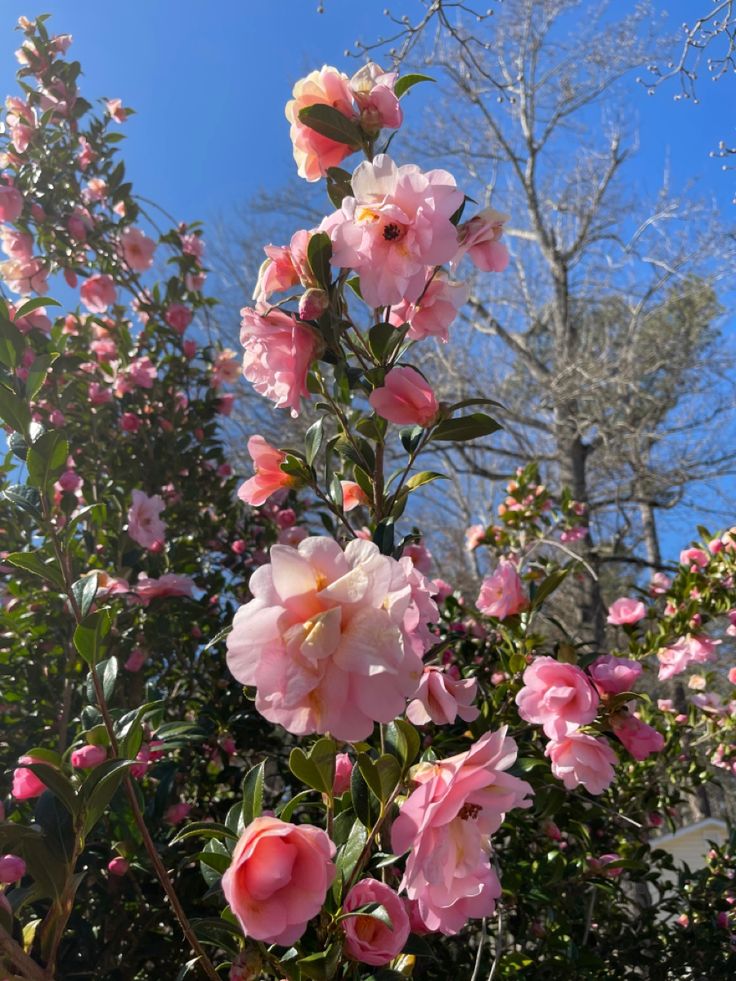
(12, 868)
(86, 757)
(117, 866)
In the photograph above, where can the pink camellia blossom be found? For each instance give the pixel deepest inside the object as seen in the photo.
(98, 292)
(130, 422)
(613, 675)
(278, 352)
(25, 782)
(17, 245)
(640, 739)
(315, 154)
(557, 696)
(140, 373)
(170, 584)
(675, 659)
(278, 879)
(405, 398)
(95, 190)
(116, 110)
(732, 676)
(480, 239)
(327, 640)
(87, 757)
(136, 660)
(373, 91)
(177, 812)
(285, 266)
(575, 534)
(579, 758)
(343, 773)
(13, 868)
(502, 593)
(86, 155)
(447, 823)
(441, 699)
(137, 249)
(353, 495)
(421, 557)
(660, 583)
(178, 317)
(694, 558)
(604, 865)
(434, 311)
(99, 394)
(474, 535)
(225, 368)
(395, 227)
(118, 866)
(145, 525)
(369, 940)
(25, 276)
(11, 203)
(626, 611)
(268, 478)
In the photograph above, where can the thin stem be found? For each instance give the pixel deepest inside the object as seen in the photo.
(479, 955)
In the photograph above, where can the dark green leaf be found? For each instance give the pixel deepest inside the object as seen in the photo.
(383, 536)
(89, 636)
(549, 585)
(46, 459)
(330, 122)
(406, 82)
(36, 303)
(14, 411)
(12, 344)
(84, 591)
(99, 788)
(39, 564)
(382, 338)
(26, 498)
(37, 373)
(466, 427)
(253, 793)
(205, 829)
(313, 440)
(59, 785)
(403, 740)
(319, 253)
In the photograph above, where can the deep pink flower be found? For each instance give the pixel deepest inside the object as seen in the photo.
(626, 611)
(432, 314)
(367, 939)
(579, 758)
(405, 398)
(11, 203)
(268, 478)
(343, 773)
(137, 249)
(394, 229)
(602, 865)
(327, 640)
(502, 594)
(660, 584)
(177, 812)
(694, 558)
(315, 153)
(353, 495)
(446, 824)
(88, 756)
(136, 660)
(557, 696)
(118, 866)
(441, 699)
(144, 519)
(278, 879)
(130, 422)
(373, 90)
(12, 869)
(98, 292)
(640, 739)
(169, 584)
(25, 782)
(480, 239)
(278, 352)
(613, 675)
(178, 317)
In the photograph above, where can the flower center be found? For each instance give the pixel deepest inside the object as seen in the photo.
(391, 232)
(469, 811)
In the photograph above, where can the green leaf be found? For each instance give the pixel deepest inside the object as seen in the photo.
(214, 859)
(370, 773)
(317, 768)
(549, 585)
(475, 425)
(99, 789)
(89, 636)
(388, 769)
(338, 185)
(39, 564)
(253, 793)
(410, 437)
(26, 498)
(37, 373)
(375, 910)
(14, 411)
(348, 855)
(205, 829)
(336, 490)
(85, 590)
(424, 477)
(330, 122)
(30, 305)
(382, 339)
(322, 965)
(291, 805)
(383, 536)
(406, 82)
(403, 740)
(365, 804)
(46, 459)
(107, 672)
(12, 344)
(313, 440)
(476, 401)
(319, 253)
(59, 785)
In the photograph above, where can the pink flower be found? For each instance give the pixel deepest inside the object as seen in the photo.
(17, 245)
(25, 782)
(137, 249)
(225, 368)
(25, 276)
(613, 675)
(343, 773)
(626, 611)
(694, 558)
(673, 660)
(177, 812)
(98, 293)
(87, 757)
(441, 698)
(116, 110)
(660, 583)
(11, 203)
(169, 584)
(732, 676)
(602, 865)
(421, 557)
(118, 866)
(284, 267)
(502, 594)
(394, 229)
(327, 638)
(315, 153)
(278, 879)
(144, 519)
(405, 398)
(136, 660)
(278, 352)
(99, 394)
(130, 422)
(353, 495)
(368, 939)
(434, 311)
(140, 373)
(373, 90)
(474, 535)
(557, 696)
(178, 317)
(447, 822)
(582, 759)
(13, 868)
(269, 477)
(480, 238)
(575, 534)
(640, 739)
